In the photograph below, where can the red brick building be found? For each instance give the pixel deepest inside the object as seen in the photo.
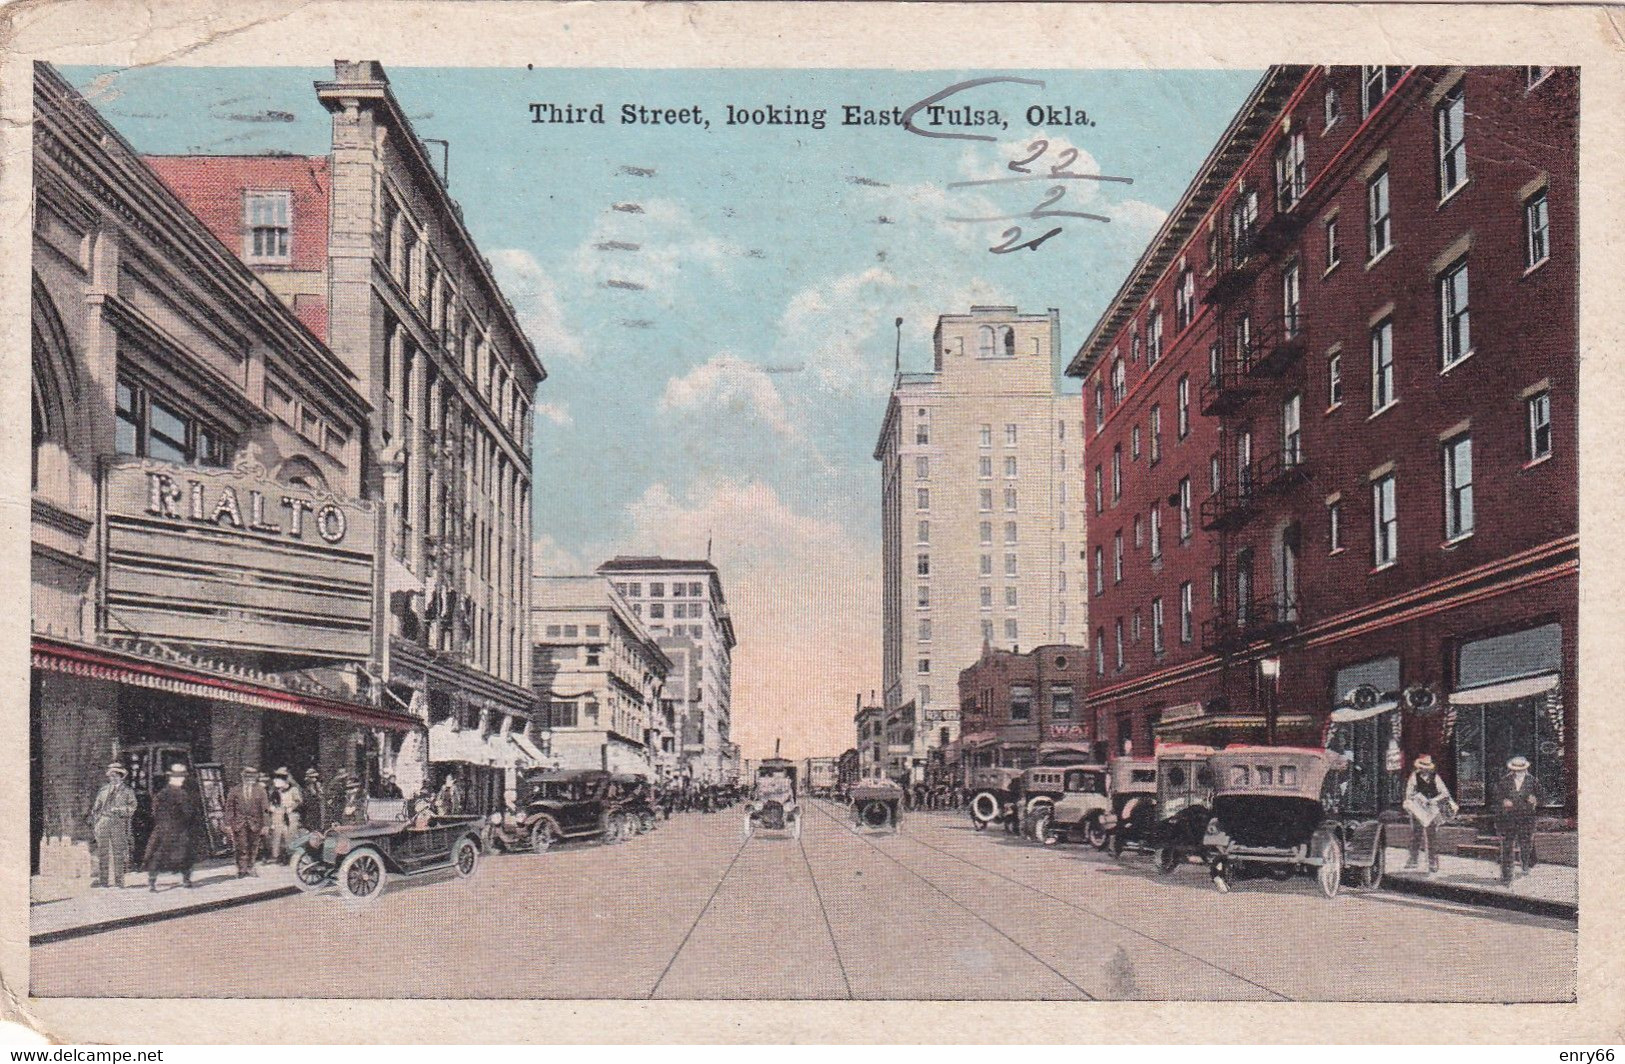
(1012, 705)
(1332, 411)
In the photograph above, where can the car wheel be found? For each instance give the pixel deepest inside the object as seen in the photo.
(309, 873)
(1330, 875)
(1094, 832)
(1044, 828)
(361, 876)
(1371, 877)
(646, 822)
(984, 808)
(465, 857)
(542, 837)
(1221, 878)
(1167, 860)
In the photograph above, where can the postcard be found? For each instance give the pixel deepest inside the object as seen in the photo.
(1048, 521)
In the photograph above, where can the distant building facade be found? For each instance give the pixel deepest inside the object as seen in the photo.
(683, 600)
(1014, 707)
(981, 511)
(600, 678)
(1358, 334)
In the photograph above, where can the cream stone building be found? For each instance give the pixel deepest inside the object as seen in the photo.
(982, 491)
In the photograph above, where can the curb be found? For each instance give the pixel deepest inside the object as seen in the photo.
(118, 923)
(1493, 899)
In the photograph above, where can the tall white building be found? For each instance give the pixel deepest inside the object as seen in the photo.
(682, 600)
(982, 511)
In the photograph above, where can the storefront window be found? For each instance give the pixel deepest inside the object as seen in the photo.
(1508, 702)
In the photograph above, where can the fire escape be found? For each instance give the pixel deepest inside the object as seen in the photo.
(1251, 345)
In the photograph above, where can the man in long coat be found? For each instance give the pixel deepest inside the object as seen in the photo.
(172, 846)
(110, 824)
(247, 811)
(313, 809)
(1517, 800)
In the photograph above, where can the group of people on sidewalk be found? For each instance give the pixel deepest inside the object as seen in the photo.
(1514, 804)
(262, 816)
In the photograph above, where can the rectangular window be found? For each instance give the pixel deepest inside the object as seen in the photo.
(1385, 521)
(1010, 499)
(1010, 532)
(923, 600)
(924, 533)
(1187, 612)
(1137, 625)
(1154, 339)
(1215, 473)
(1100, 405)
(984, 500)
(1021, 697)
(984, 466)
(1333, 256)
(1119, 383)
(1292, 431)
(1379, 234)
(1009, 565)
(1156, 626)
(1117, 473)
(1376, 83)
(1332, 107)
(1451, 123)
(1539, 408)
(1134, 442)
(987, 631)
(1100, 652)
(1184, 509)
(924, 665)
(1060, 702)
(1291, 320)
(985, 530)
(1537, 243)
(1156, 434)
(1291, 175)
(1183, 418)
(922, 565)
(1117, 557)
(1156, 531)
(1382, 365)
(986, 565)
(987, 435)
(1334, 382)
(1010, 466)
(1100, 570)
(1118, 631)
(1185, 301)
(1458, 487)
(1216, 574)
(1100, 490)
(266, 225)
(1012, 630)
(987, 598)
(922, 468)
(1139, 533)
(1010, 435)
(922, 499)
(1334, 526)
(1010, 597)
(1455, 325)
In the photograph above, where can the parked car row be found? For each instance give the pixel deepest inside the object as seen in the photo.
(1242, 812)
(563, 805)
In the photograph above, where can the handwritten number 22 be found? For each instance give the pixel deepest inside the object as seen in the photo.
(1038, 147)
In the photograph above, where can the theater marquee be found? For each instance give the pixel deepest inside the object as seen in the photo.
(231, 558)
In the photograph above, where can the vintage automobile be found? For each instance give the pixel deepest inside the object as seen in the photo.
(563, 804)
(1171, 823)
(990, 794)
(632, 798)
(774, 806)
(1132, 783)
(1078, 809)
(1284, 811)
(360, 858)
(877, 804)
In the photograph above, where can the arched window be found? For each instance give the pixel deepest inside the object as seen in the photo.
(985, 341)
(1009, 342)
(302, 472)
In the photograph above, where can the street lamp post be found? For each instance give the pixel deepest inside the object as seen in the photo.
(1270, 670)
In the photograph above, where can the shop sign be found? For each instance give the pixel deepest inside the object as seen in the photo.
(231, 558)
(1067, 731)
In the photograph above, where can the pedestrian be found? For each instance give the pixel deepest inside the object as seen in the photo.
(1429, 804)
(1517, 801)
(353, 805)
(109, 818)
(446, 800)
(313, 802)
(172, 846)
(389, 788)
(248, 810)
(284, 813)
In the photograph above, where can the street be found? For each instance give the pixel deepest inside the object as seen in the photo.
(937, 912)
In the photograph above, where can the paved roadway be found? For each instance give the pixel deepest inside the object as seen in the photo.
(936, 911)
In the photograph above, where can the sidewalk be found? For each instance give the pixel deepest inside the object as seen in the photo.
(102, 909)
(1549, 890)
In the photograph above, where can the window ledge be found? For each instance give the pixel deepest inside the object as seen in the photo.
(1542, 460)
(1327, 272)
(1384, 567)
(1531, 269)
(1335, 407)
(1453, 193)
(1455, 541)
(1379, 256)
(1383, 409)
(1446, 371)
(1335, 551)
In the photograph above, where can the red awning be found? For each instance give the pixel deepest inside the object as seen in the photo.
(134, 670)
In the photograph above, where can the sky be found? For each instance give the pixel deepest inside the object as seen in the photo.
(715, 306)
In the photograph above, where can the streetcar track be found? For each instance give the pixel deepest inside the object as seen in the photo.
(678, 952)
(1101, 916)
(973, 913)
(823, 910)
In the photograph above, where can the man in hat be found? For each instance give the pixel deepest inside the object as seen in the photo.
(247, 810)
(110, 825)
(172, 846)
(1517, 800)
(389, 788)
(313, 808)
(1428, 802)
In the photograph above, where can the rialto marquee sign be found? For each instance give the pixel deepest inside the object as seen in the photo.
(231, 558)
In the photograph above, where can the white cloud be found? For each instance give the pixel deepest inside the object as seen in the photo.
(729, 384)
(547, 558)
(1138, 215)
(805, 597)
(650, 248)
(535, 298)
(558, 413)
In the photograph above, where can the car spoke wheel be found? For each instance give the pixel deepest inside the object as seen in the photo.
(542, 837)
(309, 873)
(361, 876)
(465, 857)
(1330, 876)
(1094, 833)
(1371, 877)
